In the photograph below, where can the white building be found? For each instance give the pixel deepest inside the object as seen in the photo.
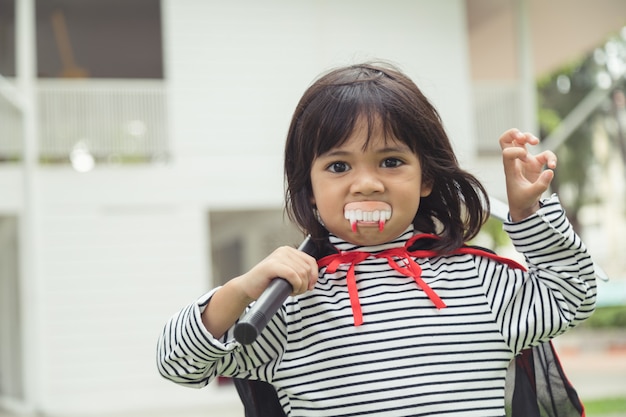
(188, 163)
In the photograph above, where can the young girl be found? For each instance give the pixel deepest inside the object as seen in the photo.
(400, 319)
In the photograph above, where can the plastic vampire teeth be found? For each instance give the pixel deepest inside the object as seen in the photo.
(367, 213)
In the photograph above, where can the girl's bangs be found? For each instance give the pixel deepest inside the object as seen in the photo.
(344, 108)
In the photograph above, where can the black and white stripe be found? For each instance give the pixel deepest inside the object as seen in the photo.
(408, 358)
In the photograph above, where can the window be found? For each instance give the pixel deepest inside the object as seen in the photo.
(89, 38)
(99, 38)
(7, 38)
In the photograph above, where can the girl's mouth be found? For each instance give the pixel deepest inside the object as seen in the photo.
(367, 213)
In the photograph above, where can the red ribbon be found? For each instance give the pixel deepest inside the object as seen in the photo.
(410, 269)
(353, 258)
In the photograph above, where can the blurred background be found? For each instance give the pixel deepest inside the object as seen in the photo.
(141, 164)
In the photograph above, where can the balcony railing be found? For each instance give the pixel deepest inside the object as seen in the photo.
(118, 121)
(10, 131)
(124, 121)
(497, 107)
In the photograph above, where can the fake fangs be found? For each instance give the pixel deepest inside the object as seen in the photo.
(367, 213)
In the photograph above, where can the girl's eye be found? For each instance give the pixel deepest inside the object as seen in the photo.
(338, 167)
(391, 163)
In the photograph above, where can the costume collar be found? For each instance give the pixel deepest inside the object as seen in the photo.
(395, 252)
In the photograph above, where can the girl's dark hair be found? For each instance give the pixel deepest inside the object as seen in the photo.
(326, 116)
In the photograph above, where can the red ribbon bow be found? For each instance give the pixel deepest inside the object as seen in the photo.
(410, 269)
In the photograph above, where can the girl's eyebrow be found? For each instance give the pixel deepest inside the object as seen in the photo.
(388, 149)
(334, 153)
(392, 149)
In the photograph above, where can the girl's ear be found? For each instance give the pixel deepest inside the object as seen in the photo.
(426, 188)
(316, 213)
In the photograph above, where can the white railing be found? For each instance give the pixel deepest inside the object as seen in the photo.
(496, 109)
(114, 120)
(10, 131)
(126, 120)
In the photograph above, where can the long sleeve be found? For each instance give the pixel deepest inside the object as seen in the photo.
(556, 293)
(189, 355)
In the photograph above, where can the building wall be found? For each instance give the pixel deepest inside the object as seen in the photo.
(561, 32)
(237, 70)
(120, 249)
(117, 253)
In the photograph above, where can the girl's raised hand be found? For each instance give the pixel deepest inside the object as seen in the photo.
(297, 267)
(526, 176)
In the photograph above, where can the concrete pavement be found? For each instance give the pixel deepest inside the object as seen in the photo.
(595, 363)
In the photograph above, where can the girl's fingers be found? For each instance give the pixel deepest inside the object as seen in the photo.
(545, 179)
(510, 158)
(547, 158)
(512, 153)
(307, 272)
(526, 175)
(508, 138)
(298, 268)
(513, 137)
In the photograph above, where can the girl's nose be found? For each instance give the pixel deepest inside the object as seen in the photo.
(366, 182)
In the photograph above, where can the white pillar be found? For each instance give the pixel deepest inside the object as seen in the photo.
(30, 283)
(528, 88)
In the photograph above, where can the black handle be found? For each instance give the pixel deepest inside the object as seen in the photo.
(255, 320)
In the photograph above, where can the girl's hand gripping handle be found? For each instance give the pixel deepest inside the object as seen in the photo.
(255, 320)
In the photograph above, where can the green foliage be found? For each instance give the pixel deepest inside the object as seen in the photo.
(567, 68)
(605, 406)
(549, 119)
(497, 235)
(607, 317)
(558, 94)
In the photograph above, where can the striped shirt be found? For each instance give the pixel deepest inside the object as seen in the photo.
(408, 358)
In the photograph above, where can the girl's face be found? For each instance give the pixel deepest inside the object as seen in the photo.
(368, 196)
